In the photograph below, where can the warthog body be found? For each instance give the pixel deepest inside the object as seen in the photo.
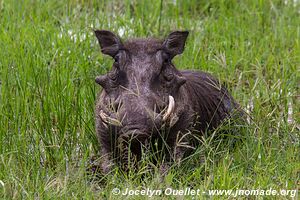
(145, 98)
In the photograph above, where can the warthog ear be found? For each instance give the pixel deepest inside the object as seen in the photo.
(174, 43)
(110, 43)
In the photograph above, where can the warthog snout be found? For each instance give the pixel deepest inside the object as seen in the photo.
(159, 119)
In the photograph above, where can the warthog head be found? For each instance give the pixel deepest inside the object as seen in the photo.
(139, 89)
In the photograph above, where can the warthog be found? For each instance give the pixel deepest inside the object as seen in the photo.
(145, 99)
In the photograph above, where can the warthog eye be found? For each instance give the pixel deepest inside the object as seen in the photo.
(117, 58)
(166, 61)
(166, 58)
(116, 64)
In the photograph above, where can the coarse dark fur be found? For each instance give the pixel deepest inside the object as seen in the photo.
(136, 91)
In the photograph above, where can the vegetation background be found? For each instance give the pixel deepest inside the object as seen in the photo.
(49, 58)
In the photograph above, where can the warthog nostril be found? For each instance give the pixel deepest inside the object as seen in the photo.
(134, 135)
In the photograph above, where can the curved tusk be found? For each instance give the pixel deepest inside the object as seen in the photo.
(170, 109)
(109, 120)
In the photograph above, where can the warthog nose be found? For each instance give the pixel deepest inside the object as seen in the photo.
(134, 135)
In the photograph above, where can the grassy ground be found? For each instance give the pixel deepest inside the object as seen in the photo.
(48, 61)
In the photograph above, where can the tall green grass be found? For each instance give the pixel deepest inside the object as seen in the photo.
(48, 61)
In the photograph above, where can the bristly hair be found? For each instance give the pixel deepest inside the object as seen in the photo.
(143, 45)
